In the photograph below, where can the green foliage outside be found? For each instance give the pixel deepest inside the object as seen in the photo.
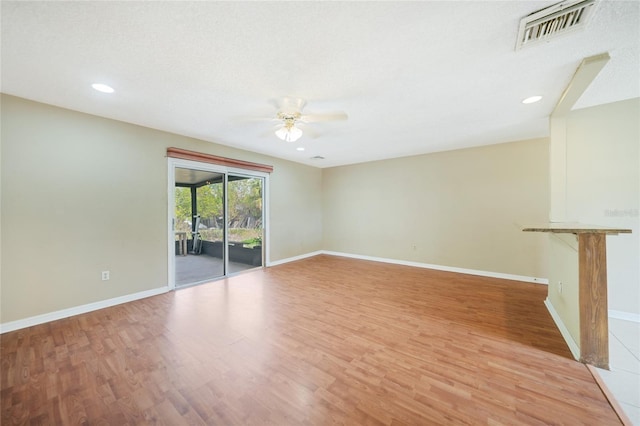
(245, 211)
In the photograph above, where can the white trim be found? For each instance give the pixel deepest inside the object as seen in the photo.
(415, 264)
(65, 313)
(294, 258)
(266, 221)
(442, 268)
(225, 224)
(622, 315)
(564, 331)
(174, 163)
(171, 237)
(208, 167)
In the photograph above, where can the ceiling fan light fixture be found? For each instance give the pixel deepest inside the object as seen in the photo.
(289, 133)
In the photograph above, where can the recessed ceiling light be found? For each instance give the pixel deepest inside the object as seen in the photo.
(532, 99)
(300, 148)
(102, 88)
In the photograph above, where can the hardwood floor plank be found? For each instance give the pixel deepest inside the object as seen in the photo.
(321, 341)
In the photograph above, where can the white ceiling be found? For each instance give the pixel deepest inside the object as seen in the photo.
(414, 77)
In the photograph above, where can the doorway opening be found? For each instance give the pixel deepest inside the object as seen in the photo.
(217, 222)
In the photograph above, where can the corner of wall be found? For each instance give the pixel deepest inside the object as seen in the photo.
(564, 331)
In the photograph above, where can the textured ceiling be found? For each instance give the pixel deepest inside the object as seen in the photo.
(414, 77)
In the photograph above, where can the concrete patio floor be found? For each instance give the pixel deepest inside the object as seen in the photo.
(192, 269)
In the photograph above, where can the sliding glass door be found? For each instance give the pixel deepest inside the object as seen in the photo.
(244, 222)
(217, 223)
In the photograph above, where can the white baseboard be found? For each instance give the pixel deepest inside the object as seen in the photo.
(573, 346)
(442, 268)
(65, 313)
(622, 315)
(294, 258)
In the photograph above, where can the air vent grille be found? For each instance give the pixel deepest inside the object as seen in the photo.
(553, 21)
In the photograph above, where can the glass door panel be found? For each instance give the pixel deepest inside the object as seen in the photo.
(199, 218)
(244, 222)
(218, 223)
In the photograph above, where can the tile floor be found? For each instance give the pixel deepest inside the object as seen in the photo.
(623, 378)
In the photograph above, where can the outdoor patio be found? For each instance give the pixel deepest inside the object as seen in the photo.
(192, 269)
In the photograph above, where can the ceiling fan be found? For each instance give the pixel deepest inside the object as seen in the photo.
(291, 117)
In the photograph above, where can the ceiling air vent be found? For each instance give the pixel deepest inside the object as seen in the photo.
(554, 20)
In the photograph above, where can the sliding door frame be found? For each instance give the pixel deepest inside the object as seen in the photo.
(174, 163)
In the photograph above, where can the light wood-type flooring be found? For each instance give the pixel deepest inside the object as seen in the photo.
(321, 341)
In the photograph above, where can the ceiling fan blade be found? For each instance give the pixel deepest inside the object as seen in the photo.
(267, 133)
(270, 131)
(315, 118)
(308, 131)
(276, 103)
(252, 119)
(291, 105)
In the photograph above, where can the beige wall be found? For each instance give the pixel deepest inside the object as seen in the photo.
(603, 188)
(459, 208)
(82, 194)
(563, 268)
(599, 179)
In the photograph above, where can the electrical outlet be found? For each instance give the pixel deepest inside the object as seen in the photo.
(560, 287)
(105, 275)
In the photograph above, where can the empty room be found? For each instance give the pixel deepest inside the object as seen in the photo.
(311, 213)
